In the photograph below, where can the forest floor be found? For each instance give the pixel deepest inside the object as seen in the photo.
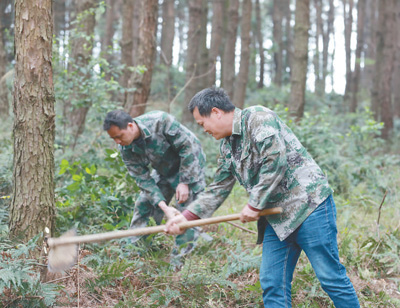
(134, 288)
(74, 288)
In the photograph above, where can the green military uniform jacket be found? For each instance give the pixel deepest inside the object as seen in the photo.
(265, 157)
(167, 147)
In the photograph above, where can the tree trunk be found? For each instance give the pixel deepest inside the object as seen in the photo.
(359, 50)
(126, 42)
(384, 59)
(331, 31)
(32, 207)
(327, 33)
(348, 28)
(288, 36)
(317, 57)
(136, 24)
(168, 31)
(81, 53)
(216, 38)
(254, 75)
(278, 42)
(367, 77)
(203, 72)
(228, 63)
(192, 56)
(396, 73)
(136, 102)
(260, 43)
(167, 41)
(299, 58)
(4, 105)
(243, 75)
(182, 24)
(107, 39)
(376, 38)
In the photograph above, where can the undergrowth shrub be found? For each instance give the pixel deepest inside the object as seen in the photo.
(95, 197)
(20, 284)
(95, 194)
(381, 256)
(6, 158)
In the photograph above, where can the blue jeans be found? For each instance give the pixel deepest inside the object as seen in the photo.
(317, 237)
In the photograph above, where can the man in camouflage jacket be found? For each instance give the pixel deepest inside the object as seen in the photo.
(164, 158)
(262, 153)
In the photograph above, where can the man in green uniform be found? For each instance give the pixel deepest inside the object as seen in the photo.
(262, 153)
(164, 158)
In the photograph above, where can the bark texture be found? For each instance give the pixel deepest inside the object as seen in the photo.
(32, 208)
(136, 101)
(396, 73)
(385, 56)
(359, 50)
(348, 29)
(202, 79)
(243, 75)
(110, 14)
(288, 35)
(260, 42)
(166, 44)
(317, 56)
(278, 41)
(228, 61)
(126, 42)
(136, 24)
(216, 38)
(371, 22)
(331, 30)
(327, 34)
(182, 22)
(192, 56)
(109, 31)
(168, 31)
(299, 58)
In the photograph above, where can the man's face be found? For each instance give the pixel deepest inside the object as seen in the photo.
(124, 136)
(215, 124)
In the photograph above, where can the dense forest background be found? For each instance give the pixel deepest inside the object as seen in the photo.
(329, 68)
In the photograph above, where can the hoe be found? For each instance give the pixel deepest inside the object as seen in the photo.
(64, 249)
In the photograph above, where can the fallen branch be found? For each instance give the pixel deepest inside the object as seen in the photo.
(241, 228)
(379, 214)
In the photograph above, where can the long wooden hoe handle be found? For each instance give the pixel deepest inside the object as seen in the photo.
(93, 238)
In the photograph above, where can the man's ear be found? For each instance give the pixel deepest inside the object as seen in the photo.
(218, 112)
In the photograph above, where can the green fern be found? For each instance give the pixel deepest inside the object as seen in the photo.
(240, 261)
(109, 275)
(19, 282)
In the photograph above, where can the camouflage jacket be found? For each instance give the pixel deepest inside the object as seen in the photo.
(170, 149)
(265, 157)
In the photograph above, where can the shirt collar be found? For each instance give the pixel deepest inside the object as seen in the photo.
(237, 122)
(145, 131)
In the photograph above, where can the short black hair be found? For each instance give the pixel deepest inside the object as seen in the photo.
(118, 118)
(208, 98)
